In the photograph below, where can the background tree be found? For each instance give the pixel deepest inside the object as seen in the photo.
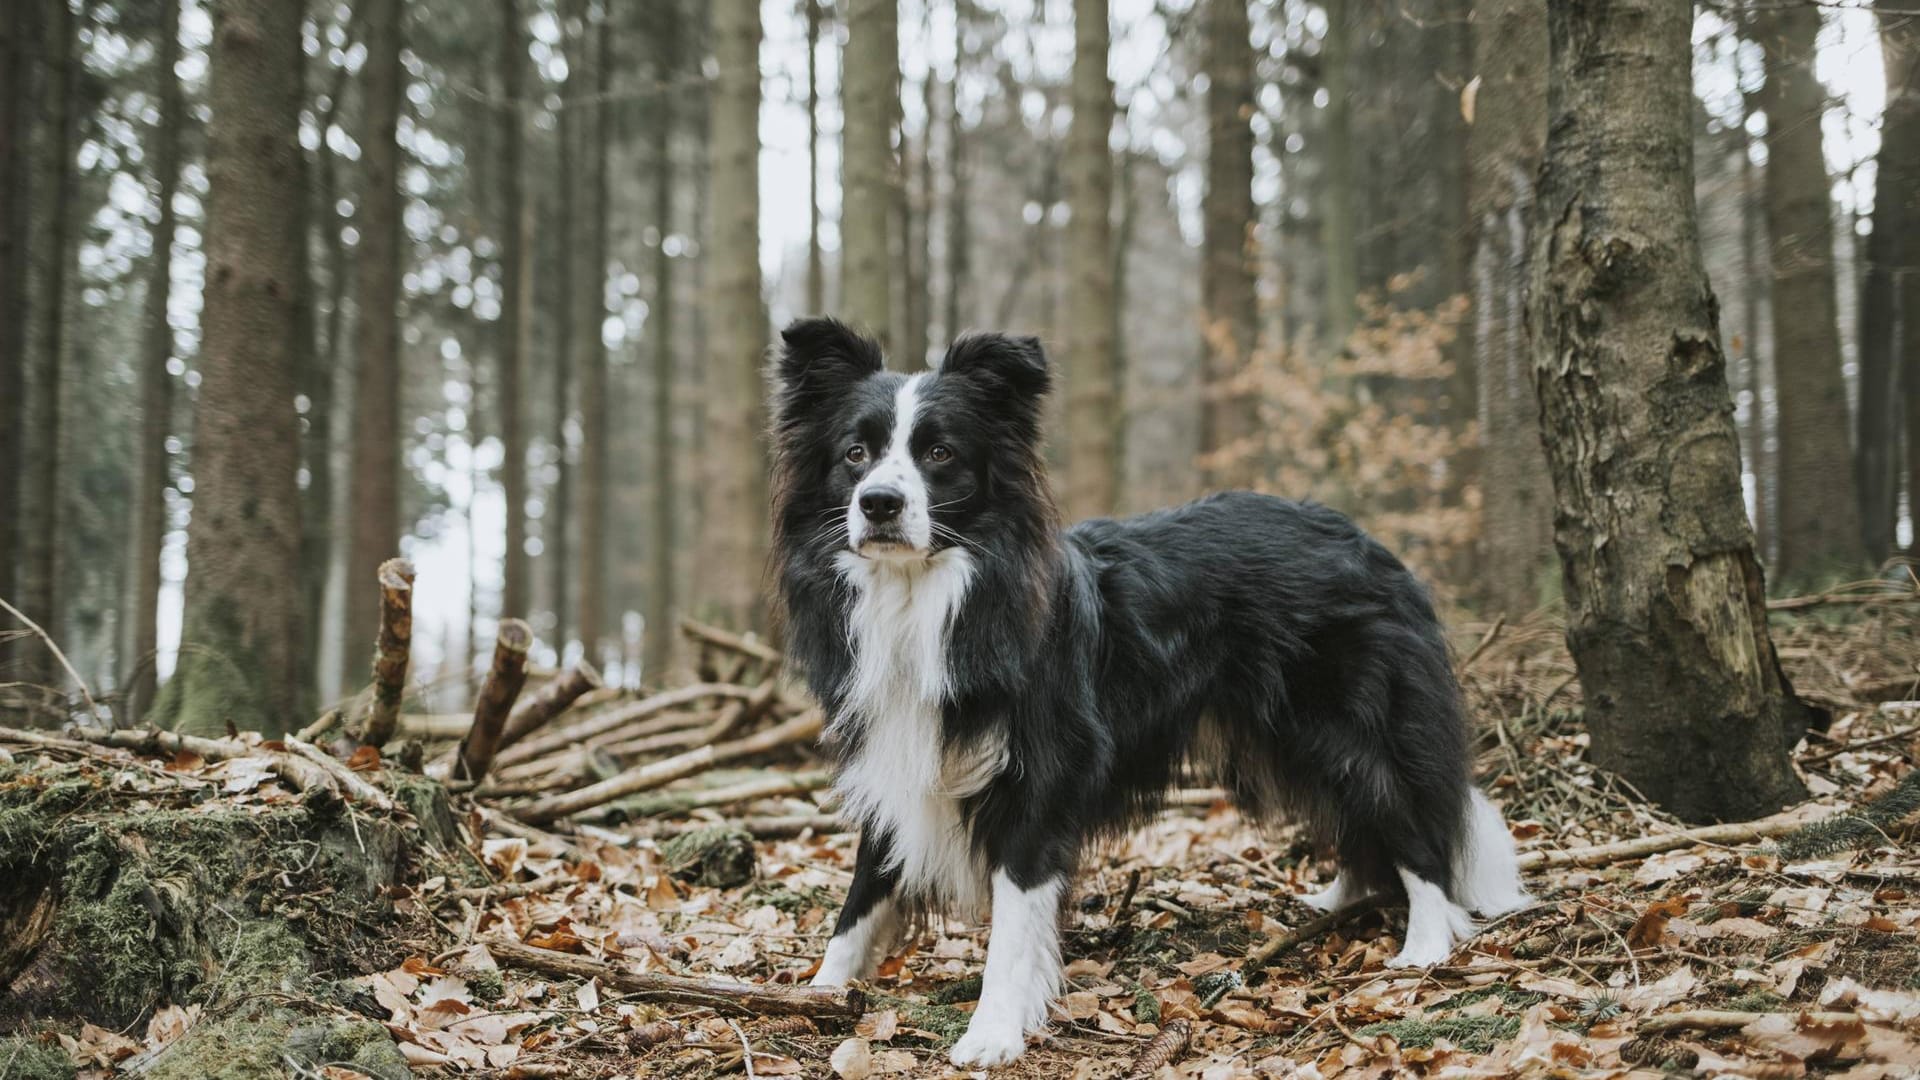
(1819, 517)
(661, 531)
(239, 659)
(595, 489)
(870, 73)
(17, 31)
(1666, 603)
(1338, 236)
(1093, 405)
(1227, 300)
(512, 333)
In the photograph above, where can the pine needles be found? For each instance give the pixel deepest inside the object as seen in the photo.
(1867, 825)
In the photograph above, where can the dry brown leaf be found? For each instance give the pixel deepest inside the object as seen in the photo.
(1650, 929)
(878, 1026)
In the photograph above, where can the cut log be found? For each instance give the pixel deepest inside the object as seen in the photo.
(391, 654)
(497, 695)
(552, 699)
(722, 995)
(661, 773)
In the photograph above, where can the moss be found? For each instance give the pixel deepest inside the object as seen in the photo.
(720, 858)
(1758, 1001)
(944, 1022)
(1146, 1006)
(1506, 992)
(967, 989)
(25, 1057)
(1474, 1034)
(361, 1044)
(487, 985)
(790, 900)
(247, 1045)
(1866, 826)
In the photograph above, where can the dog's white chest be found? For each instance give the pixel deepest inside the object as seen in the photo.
(901, 779)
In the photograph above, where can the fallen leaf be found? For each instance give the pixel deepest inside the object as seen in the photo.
(852, 1060)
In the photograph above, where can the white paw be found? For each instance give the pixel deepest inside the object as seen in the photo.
(1331, 898)
(1420, 954)
(989, 1042)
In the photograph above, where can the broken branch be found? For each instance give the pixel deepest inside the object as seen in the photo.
(391, 653)
(503, 684)
(1739, 832)
(1728, 1020)
(760, 787)
(615, 719)
(726, 995)
(550, 701)
(747, 645)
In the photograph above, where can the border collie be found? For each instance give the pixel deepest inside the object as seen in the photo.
(1000, 692)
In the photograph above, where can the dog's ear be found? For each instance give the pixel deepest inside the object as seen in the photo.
(820, 357)
(1001, 363)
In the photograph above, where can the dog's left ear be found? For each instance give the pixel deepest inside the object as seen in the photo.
(820, 357)
(1001, 362)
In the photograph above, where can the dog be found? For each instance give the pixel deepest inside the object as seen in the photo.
(1001, 692)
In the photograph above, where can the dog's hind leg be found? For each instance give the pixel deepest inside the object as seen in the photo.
(869, 921)
(1434, 923)
(1486, 874)
(1342, 893)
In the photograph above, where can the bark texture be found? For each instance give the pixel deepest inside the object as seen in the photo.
(1338, 232)
(16, 107)
(661, 586)
(1890, 310)
(1229, 416)
(517, 283)
(870, 64)
(595, 493)
(1819, 520)
(1666, 599)
(241, 636)
(374, 489)
(816, 264)
(1093, 399)
(1505, 140)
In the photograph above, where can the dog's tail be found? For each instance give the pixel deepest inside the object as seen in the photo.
(1486, 871)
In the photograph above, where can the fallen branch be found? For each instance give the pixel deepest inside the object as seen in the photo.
(759, 787)
(1728, 1020)
(732, 642)
(301, 774)
(661, 773)
(93, 709)
(391, 653)
(550, 701)
(1306, 931)
(1873, 592)
(504, 679)
(506, 890)
(614, 719)
(351, 782)
(1492, 633)
(777, 827)
(725, 995)
(1739, 832)
(1163, 1049)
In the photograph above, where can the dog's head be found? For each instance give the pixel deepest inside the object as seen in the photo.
(901, 467)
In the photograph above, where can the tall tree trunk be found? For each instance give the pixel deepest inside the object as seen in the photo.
(661, 599)
(959, 227)
(1505, 140)
(1891, 304)
(1230, 416)
(240, 640)
(594, 490)
(1819, 523)
(1093, 404)
(49, 237)
(142, 603)
(18, 46)
(816, 268)
(918, 232)
(571, 220)
(870, 75)
(516, 283)
(1666, 601)
(375, 445)
(316, 378)
(735, 512)
(1754, 281)
(1338, 230)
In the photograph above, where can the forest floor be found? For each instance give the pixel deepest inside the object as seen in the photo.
(164, 914)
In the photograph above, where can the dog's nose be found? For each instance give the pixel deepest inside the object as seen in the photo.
(881, 504)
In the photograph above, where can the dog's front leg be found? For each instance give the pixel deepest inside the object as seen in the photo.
(870, 919)
(1023, 970)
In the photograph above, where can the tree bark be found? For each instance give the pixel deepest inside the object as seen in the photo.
(1230, 414)
(595, 492)
(241, 635)
(570, 218)
(959, 227)
(735, 510)
(1093, 400)
(870, 66)
(661, 586)
(18, 33)
(516, 284)
(1505, 140)
(505, 677)
(1819, 520)
(816, 267)
(1666, 599)
(1338, 232)
(1890, 315)
(375, 443)
(142, 603)
(393, 653)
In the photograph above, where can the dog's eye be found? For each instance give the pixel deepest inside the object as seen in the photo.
(856, 454)
(939, 453)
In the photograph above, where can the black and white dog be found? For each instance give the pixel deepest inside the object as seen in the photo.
(1000, 691)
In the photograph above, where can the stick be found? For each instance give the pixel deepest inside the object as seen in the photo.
(613, 719)
(1727, 1020)
(550, 701)
(506, 890)
(778, 827)
(732, 642)
(1739, 832)
(724, 995)
(391, 652)
(1306, 931)
(93, 709)
(303, 775)
(1492, 633)
(759, 787)
(1163, 1049)
(319, 727)
(503, 683)
(1839, 596)
(345, 777)
(661, 773)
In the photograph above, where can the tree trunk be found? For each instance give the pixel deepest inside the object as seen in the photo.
(516, 283)
(816, 268)
(870, 67)
(375, 444)
(1093, 404)
(1891, 304)
(240, 640)
(735, 511)
(1230, 414)
(1819, 522)
(661, 586)
(1508, 131)
(1338, 232)
(570, 221)
(141, 605)
(1666, 601)
(317, 377)
(594, 451)
(17, 105)
(959, 227)
(1754, 281)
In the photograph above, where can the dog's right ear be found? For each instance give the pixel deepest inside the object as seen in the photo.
(820, 357)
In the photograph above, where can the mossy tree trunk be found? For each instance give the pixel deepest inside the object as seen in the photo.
(1666, 600)
(1093, 399)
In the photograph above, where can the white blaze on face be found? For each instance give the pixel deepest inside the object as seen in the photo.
(896, 469)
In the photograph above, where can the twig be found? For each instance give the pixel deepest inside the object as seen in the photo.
(759, 787)
(1880, 595)
(505, 890)
(725, 995)
(1163, 1049)
(93, 709)
(1306, 931)
(1739, 832)
(504, 679)
(732, 642)
(746, 1048)
(614, 719)
(1843, 748)
(391, 653)
(1486, 640)
(345, 777)
(304, 776)
(778, 827)
(550, 701)
(325, 723)
(1727, 1020)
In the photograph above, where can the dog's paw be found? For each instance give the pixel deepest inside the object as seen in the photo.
(1329, 899)
(1422, 954)
(988, 1043)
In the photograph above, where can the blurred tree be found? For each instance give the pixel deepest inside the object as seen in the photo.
(959, 235)
(1666, 600)
(734, 540)
(1339, 233)
(1890, 304)
(18, 47)
(1505, 139)
(240, 641)
(142, 602)
(374, 484)
(870, 77)
(513, 329)
(663, 537)
(592, 364)
(1093, 405)
(816, 268)
(1229, 311)
(572, 219)
(1819, 520)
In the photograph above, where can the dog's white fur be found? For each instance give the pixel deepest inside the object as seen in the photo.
(896, 469)
(1023, 973)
